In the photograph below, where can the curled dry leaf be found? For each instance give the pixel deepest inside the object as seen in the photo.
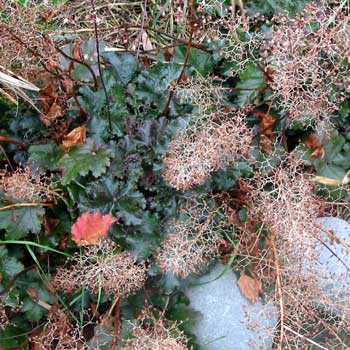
(76, 137)
(266, 124)
(91, 227)
(315, 145)
(250, 287)
(54, 113)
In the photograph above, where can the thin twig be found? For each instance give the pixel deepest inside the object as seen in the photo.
(14, 142)
(332, 236)
(187, 56)
(305, 338)
(136, 27)
(33, 52)
(80, 62)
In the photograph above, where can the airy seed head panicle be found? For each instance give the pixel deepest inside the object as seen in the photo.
(24, 47)
(204, 93)
(203, 147)
(308, 56)
(4, 320)
(24, 186)
(152, 332)
(191, 242)
(60, 334)
(100, 268)
(237, 39)
(283, 199)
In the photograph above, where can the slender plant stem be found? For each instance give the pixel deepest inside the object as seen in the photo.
(19, 144)
(187, 56)
(79, 62)
(34, 244)
(99, 64)
(25, 205)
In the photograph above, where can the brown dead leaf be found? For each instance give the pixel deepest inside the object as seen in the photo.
(63, 242)
(49, 224)
(168, 53)
(54, 113)
(76, 137)
(270, 74)
(250, 287)
(312, 142)
(68, 86)
(318, 153)
(77, 53)
(315, 145)
(146, 42)
(266, 123)
(48, 96)
(266, 144)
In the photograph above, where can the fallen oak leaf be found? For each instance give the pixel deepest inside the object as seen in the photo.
(249, 287)
(75, 138)
(91, 227)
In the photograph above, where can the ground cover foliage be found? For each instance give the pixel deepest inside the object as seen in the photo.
(142, 140)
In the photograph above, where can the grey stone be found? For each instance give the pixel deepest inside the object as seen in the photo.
(333, 263)
(333, 256)
(228, 321)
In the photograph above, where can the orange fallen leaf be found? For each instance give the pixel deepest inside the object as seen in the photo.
(76, 137)
(250, 287)
(90, 227)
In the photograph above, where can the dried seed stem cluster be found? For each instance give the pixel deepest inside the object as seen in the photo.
(237, 39)
(24, 186)
(191, 242)
(284, 201)
(309, 56)
(25, 48)
(204, 93)
(60, 334)
(150, 332)
(206, 145)
(4, 320)
(100, 268)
